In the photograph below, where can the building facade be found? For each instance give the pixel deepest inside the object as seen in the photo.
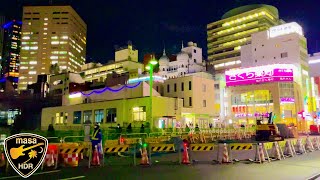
(126, 60)
(274, 77)
(189, 60)
(11, 52)
(197, 93)
(226, 36)
(51, 35)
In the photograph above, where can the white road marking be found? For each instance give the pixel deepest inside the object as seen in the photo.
(78, 177)
(47, 172)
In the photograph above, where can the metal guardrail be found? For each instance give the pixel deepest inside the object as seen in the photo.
(67, 137)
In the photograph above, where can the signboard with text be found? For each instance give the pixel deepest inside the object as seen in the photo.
(258, 75)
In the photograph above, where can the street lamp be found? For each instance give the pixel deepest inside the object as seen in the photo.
(150, 67)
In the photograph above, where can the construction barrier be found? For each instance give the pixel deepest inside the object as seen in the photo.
(52, 157)
(4, 165)
(116, 148)
(242, 155)
(209, 148)
(273, 151)
(162, 148)
(71, 154)
(118, 154)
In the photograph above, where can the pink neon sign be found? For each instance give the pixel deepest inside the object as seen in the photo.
(258, 75)
(287, 99)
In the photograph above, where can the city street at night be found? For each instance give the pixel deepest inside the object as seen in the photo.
(296, 168)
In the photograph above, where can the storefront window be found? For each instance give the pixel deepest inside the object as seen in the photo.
(139, 113)
(87, 116)
(77, 117)
(98, 116)
(111, 115)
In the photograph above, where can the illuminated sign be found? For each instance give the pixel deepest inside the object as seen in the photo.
(285, 29)
(146, 78)
(287, 99)
(76, 95)
(261, 74)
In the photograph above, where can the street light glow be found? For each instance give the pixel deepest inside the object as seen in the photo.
(153, 62)
(148, 67)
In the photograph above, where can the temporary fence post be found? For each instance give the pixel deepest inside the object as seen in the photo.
(134, 155)
(150, 162)
(218, 153)
(266, 153)
(179, 154)
(90, 155)
(230, 152)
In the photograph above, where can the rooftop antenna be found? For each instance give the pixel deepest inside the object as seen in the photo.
(164, 49)
(182, 45)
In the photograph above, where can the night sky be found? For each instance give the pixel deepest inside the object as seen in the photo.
(152, 24)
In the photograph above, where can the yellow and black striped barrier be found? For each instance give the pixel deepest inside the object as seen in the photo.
(282, 144)
(241, 146)
(71, 150)
(268, 145)
(202, 147)
(162, 147)
(116, 149)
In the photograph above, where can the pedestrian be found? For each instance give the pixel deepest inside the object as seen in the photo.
(118, 129)
(210, 125)
(96, 138)
(142, 128)
(129, 128)
(197, 128)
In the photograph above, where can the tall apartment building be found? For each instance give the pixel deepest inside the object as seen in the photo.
(11, 52)
(51, 35)
(2, 22)
(226, 36)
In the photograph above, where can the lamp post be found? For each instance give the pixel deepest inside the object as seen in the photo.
(150, 67)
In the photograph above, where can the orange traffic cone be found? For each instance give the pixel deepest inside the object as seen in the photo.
(185, 158)
(144, 157)
(95, 159)
(225, 158)
(50, 161)
(261, 154)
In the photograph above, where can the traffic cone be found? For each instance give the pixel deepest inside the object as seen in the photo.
(288, 149)
(185, 157)
(50, 161)
(144, 157)
(225, 158)
(95, 159)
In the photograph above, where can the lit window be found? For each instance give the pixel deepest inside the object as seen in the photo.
(46, 19)
(63, 67)
(64, 37)
(33, 62)
(59, 118)
(54, 62)
(54, 42)
(45, 33)
(45, 24)
(24, 42)
(23, 67)
(63, 52)
(26, 37)
(98, 115)
(34, 47)
(33, 42)
(43, 68)
(32, 72)
(29, 23)
(63, 42)
(45, 29)
(26, 48)
(54, 37)
(54, 57)
(139, 113)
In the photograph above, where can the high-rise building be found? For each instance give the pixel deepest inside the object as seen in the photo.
(2, 21)
(10, 49)
(51, 35)
(226, 36)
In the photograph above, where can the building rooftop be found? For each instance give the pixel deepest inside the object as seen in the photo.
(243, 9)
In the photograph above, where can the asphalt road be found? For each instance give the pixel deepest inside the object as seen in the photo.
(300, 167)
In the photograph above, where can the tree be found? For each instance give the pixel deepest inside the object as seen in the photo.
(54, 69)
